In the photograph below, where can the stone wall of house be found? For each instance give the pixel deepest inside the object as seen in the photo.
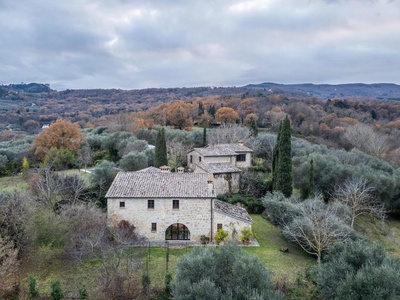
(226, 183)
(220, 159)
(195, 214)
(232, 225)
(193, 159)
(244, 164)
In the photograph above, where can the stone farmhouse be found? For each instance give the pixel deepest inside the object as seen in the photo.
(223, 162)
(173, 206)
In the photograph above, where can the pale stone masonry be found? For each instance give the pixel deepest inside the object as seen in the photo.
(224, 162)
(172, 206)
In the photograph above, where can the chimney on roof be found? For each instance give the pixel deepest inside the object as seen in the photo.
(210, 183)
(164, 169)
(181, 170)
(241, 143)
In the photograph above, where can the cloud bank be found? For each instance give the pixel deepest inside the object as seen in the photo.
(139, 44)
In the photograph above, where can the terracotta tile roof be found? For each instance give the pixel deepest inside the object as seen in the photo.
(223, 149)
(218, 168)
(232, 211)
(159, 185)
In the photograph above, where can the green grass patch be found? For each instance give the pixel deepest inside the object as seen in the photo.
(13, 182)
(283, 264)
(385, 233)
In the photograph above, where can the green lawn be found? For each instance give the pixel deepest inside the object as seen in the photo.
(283, 264)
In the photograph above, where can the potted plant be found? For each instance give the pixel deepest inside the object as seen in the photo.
(221, 236)
(246, 235)
(204, 239)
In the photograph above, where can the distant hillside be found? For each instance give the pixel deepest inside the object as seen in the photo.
(381, 91)
(27, 87)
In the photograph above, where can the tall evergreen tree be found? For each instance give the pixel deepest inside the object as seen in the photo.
(204, 137)
(160, 151)
(275, 158)
(282, 160)
(253, 127)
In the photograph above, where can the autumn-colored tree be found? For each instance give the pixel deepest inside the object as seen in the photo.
(61, 134)
(205, 119)
(179, 116)
(25, 167)
(248, 119)
(226, 115)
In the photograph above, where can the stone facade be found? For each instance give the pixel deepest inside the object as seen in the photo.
(235, 154)
(224, 162)
(195, 214)
(155, 202)
(226, 183)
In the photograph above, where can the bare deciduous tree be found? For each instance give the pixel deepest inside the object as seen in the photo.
(48, 187)
(367, 140)
(263, 146)
(230, 133)
(15, 208)
(116, 262)
(357, 194)
(177, 150)
(8, 265)
(75, 188)
(317, 227)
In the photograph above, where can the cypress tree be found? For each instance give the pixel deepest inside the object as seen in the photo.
(204, 137)
(253, 127)
(275, 158)
(160, 151)
(282, 160)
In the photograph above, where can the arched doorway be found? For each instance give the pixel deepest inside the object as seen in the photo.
(177, 231)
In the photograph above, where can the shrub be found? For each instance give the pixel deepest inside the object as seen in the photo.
(221, 236)
(56, 292)
(82, 293)
(33, 291)
(278, 209)
(226, 272)
(204, 239)
(359, 270)
(246, 235)
(133, 161)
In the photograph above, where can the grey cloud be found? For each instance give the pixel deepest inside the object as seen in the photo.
(134, 44)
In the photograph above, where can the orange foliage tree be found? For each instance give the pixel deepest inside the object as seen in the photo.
(226, 115)
(249, 117)
(179, 115)
(60, 134)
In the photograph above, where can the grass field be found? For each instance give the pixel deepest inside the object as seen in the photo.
(13, 182)
(386, 234)
(283, 264)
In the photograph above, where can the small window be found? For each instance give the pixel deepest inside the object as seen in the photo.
(199, 158)
(122, 204)
(153, 227)
(219, 226)
(241, 157)
(191, 158)
(175, 204)
(150, 204)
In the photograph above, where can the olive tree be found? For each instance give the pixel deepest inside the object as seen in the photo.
(225, 272)
(358, 271)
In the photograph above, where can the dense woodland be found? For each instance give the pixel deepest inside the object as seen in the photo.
(340, 157)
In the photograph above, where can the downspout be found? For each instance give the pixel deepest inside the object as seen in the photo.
(212, 219)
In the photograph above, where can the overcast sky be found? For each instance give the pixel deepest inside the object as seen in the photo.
(181, 43)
